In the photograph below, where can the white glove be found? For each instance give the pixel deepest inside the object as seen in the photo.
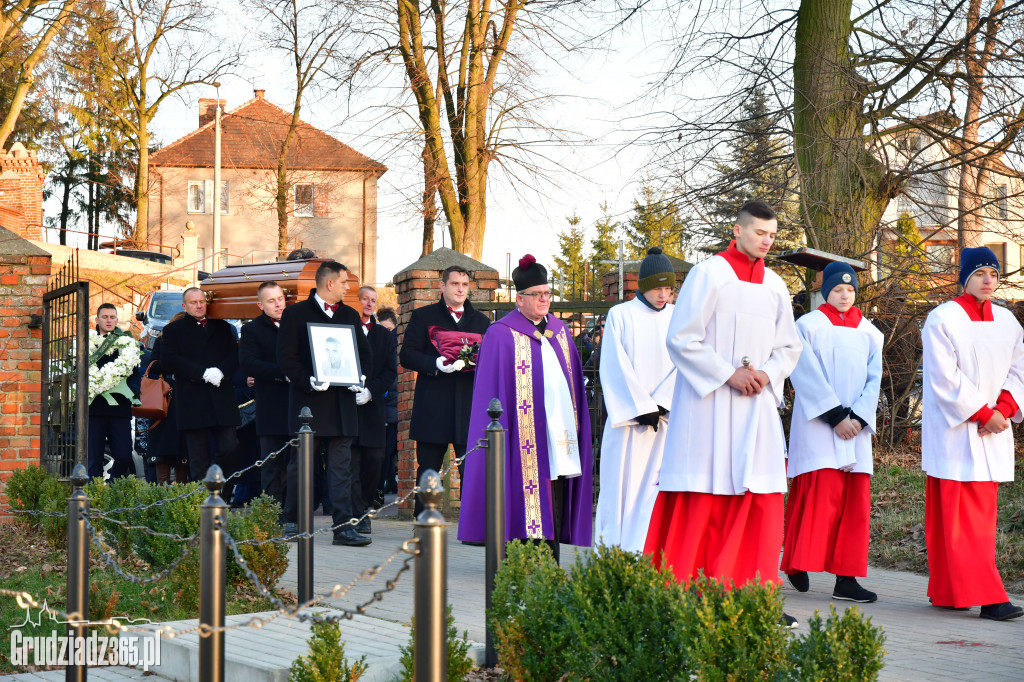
(447, 369)
(213, 376)
(363, 396)
(323, 386)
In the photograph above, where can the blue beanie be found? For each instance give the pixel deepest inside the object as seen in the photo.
(835, 274)
(972, 259)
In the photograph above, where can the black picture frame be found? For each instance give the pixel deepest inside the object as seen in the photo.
(334, 353)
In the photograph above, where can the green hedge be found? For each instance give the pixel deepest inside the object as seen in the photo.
(615, 617)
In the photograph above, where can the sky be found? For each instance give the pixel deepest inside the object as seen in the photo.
(599, 98)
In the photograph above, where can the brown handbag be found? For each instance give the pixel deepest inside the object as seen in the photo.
(154, 397)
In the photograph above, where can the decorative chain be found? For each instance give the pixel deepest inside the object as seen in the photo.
(111, 561)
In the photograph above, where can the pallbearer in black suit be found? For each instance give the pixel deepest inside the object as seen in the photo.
(444, 395)
(203, 356)
(257, 353)
(368, 453)
(335, 416)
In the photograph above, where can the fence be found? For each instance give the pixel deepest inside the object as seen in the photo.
(428, 547)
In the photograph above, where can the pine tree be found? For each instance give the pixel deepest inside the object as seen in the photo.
(603, 247)
(572, 264)
(760, 166)
(656, 222)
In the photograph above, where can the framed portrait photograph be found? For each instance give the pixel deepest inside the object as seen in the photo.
(335, 358)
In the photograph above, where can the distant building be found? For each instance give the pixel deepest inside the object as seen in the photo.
(332, 193)
(21, 192)
(931, 200)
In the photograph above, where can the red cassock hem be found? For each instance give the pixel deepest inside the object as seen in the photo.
(734, 537)
(828, 523)
(960, 531)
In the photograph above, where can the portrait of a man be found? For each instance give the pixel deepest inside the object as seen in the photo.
(334, 354)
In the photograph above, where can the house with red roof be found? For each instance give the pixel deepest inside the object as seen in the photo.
(332, 193)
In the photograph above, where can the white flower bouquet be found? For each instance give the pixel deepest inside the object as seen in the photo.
(112, 378)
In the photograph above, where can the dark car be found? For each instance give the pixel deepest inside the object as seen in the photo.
(155, 311)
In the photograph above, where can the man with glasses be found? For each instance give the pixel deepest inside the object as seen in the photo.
(529, 362)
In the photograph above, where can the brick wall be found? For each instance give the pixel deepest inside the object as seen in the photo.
(417, 288)
(22, 285)
(21, 192)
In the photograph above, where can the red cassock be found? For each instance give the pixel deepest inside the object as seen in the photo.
(730, 537)
(960, 526)
(828, 523)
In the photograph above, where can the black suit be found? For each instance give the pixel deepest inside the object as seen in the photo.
(189, 349)
(368, 453)
(112, 424)
(335, 418)
(257, 354)
(442, 402)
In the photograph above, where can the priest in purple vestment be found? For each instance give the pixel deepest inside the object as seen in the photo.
(529, 362)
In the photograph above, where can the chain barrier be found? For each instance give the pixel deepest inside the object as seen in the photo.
(110, 560)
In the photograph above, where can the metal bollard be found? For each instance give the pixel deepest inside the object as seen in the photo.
(212, 577)
(305, 507)
(494, 493)
(78, 566)
(431, 600)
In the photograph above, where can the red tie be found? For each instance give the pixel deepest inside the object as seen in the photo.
(456, 313)
(333, 307)
(202, 321)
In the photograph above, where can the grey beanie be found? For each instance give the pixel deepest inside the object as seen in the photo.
(656, 271)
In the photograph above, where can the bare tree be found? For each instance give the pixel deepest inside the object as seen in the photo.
(27, 27)
(169, 48)
(309, 33)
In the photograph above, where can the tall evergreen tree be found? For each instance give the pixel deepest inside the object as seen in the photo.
(571, 264)
(603, 247)
(760, 166)
(656, 221)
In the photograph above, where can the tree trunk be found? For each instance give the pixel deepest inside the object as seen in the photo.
(429, 202)
(282, 176)
(844, 187)
(65, 206)
(141, 235)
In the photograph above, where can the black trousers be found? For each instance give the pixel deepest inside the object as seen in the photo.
(274, 472)
(339, 481)
(430, 456)
(197, 442)
(389, 470)
(117, 431)
(366, 465)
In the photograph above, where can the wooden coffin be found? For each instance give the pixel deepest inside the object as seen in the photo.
(231, 291)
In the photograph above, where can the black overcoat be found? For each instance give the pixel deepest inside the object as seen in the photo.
(442, 402)
(373, 415)
(257, 353)
(189, 349)
(334, 410)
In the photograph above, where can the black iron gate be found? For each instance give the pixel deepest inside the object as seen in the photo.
(64, 387)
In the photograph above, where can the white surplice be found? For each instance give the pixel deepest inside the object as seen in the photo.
(720, 441)
(563, 441)
(966, 366)
(637, 377)
(838, 366)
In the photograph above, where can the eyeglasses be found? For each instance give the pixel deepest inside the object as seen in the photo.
(539, 295)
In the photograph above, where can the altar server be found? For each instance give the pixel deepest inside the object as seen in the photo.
(638, 378)
(837, 382)
(973, 385)
(723, 475)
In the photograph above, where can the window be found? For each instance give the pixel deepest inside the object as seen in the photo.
(200, 196)
(196, 196)
(999, 248)
(996, 207)
(304, 200)
(941, 257)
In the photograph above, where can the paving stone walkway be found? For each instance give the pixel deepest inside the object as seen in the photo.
(923, 643)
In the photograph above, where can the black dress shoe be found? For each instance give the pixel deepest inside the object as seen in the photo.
(1004, 611)
(799, 581)
(789, 622)
(848, 589)
(291, 530)
(350, 538)
(363, 527)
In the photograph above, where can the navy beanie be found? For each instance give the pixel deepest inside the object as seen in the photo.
(835, 274)
(972, 259)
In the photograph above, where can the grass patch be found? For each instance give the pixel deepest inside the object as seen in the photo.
(897, 517)
(29, 563)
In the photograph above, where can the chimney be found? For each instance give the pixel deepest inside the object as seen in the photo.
(259, 93)
(208, 109)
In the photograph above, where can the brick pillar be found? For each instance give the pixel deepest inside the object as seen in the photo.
(21, 192)
(417, 286)
(24, 270)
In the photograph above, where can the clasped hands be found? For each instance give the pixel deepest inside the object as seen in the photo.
(997, 424)
(213, 376)
(442, 367)
(748, 381)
